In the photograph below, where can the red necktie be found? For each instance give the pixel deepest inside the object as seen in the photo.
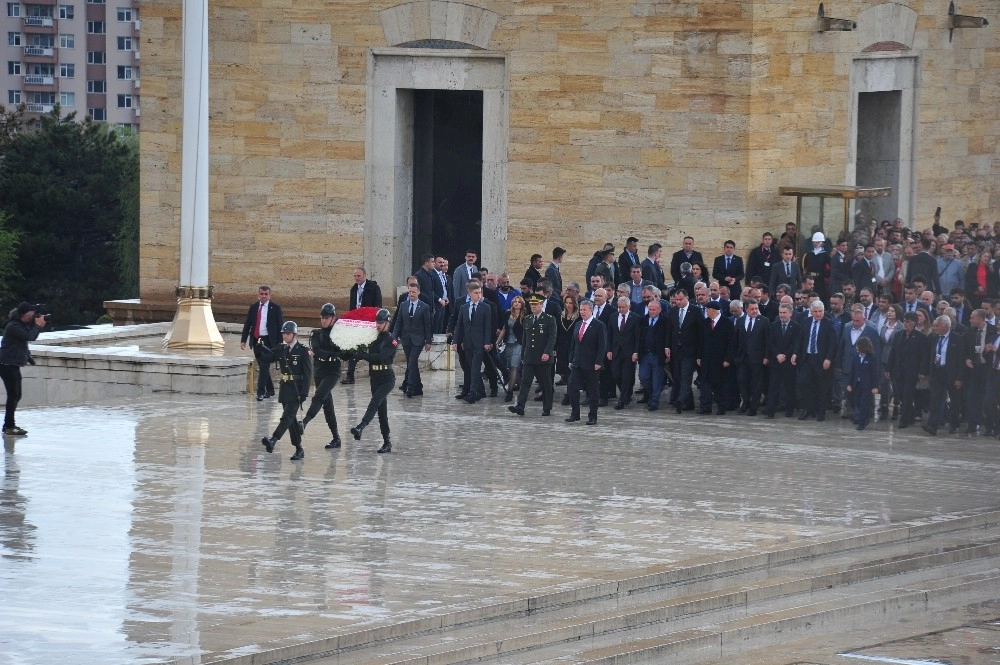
(713, 324)
(621, 323)
(256, 330)
(583, 328)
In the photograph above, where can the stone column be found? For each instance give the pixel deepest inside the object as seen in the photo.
(194, 324)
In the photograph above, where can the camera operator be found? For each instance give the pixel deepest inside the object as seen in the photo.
(25, 323)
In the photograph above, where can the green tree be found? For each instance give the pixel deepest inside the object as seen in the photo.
(8, 262)
(61, 186)
(128, 237)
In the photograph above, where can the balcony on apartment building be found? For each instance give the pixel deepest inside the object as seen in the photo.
(39, 52)
(40, 108)
(34, 82)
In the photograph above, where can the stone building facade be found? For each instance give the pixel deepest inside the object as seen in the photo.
(601, 119)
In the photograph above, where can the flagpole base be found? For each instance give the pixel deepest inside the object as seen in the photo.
(194, 324)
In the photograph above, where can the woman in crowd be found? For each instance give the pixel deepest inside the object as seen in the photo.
(981, 280)
(564, 332)
(513, 336)
(922, 395)
(891, 326)
(700, 274)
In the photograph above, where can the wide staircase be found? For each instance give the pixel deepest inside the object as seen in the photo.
(715, 610)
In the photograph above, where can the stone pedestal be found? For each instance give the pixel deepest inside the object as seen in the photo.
(194, 325)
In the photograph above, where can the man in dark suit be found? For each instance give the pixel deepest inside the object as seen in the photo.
(651, 270)
(463, 274)
(752, 337)
(947, 362)
(864, 271)
(815, 356)
(768, 306)
(605, 312)
(629, 258)
(608, 269)
(413, 326)
(426, 277)
(924, 264)
(263, 322)
(553, 274)
(625, 331)
(715, 365)
(684, 338)
(474, 335)
(787, 271)
(762, 258)
(782, 354)
(587, 348)
(653, 353)
(854, 328)
(977, 339)
(686, 254)
(728, 268)
(840, 268)
(537, 356)
(534, 272)
(364, 293)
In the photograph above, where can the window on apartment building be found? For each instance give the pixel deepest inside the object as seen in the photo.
(124, 43)
(13, 9)
(42, 69)
(67, 70)
(124, 14)
(43, 11)
(126, 72)
(13, 39)
(95, 2)
(124, 101)
(14, 68)
(96, 57)
(43, 41)
(42, 98)
(96, 28)
(65, 12)
(67, 99)
(97, 86)
(67, 41)
(100, 115)
(13, 96)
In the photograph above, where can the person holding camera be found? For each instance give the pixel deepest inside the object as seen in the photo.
(24, 325)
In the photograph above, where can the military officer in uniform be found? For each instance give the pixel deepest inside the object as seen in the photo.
(296, 374)
(537, 356)
(326, 366)
(382, 379)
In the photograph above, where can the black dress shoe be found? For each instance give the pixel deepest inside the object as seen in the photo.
(516, 409)
(752, 413)
(509, 397)
(652, 407)
(335, 443)
(408, 393)
(742, 410)
(299, 454)
(789, 414)
(952, 430)
(402, 388)
(347, 380)
(703, 412)
(269, 442)
(416, 393)
(720, 412)
(930, 430)
(560, 382)
(769, 416)
(821, 418)
(679, 409)
(572, 419)
(356, 432)
(804, 416)
(462, 396)
(386, 448)
(565, 400)
(602, 402)
(546, 413)
(619, 406)
(260, 397)
(643, 400)
(493, 392)
(539, 398)
(591, 421)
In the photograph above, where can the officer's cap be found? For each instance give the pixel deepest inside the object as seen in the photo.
(535, 299)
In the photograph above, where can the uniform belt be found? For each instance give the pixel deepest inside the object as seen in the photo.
(325, 360)
(290, 377)
(379, 368)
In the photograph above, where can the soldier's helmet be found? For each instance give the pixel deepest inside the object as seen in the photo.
(328, 310)
(290, 327)
(382, 316)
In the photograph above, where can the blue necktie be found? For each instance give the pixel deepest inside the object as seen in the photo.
(812, 337)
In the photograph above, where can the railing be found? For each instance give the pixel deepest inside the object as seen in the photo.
(38, 50)
(38, 20)
(37, 79)
(40, 108)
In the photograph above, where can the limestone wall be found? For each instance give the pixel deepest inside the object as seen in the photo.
(654, 119)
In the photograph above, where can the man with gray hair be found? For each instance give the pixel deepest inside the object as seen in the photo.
(624, 339)
(588, 345)
(946, 366)
(817, 348)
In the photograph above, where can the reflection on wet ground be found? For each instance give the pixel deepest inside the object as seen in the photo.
(158, 528)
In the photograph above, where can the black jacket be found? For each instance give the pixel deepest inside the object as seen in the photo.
(14, 347)
(325, 354)
(274, 321)
(295, 367)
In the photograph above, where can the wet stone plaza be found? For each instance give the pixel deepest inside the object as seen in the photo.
(156, 529)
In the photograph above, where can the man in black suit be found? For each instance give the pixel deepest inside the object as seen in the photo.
(864, 271)
(908, 362)
(625, 332)
(684, 338)
(728, 268)
(686, 254)
(978, 340)
(553, 274)
(651, 270)
(629, 258)
(715, 365)
(608, 269)
(768, 306)
(782, 354)
(414, 327)
(364, 293)
(474, 335)
(534, 272)
(653, 353)
(926, 265)
(947, 362)
(762, 258)
(605, 312)
(786, 271)
(816, 352)
(840, 267)
(587, 348)
(263, 322)
(752, 338)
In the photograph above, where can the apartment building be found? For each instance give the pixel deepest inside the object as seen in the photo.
(80, 54)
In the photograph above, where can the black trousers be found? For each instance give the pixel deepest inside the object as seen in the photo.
(264, 383)
(817, 383)
(289, 416)
(781, 388)
(623, 372)
(542, 372)
(474, 372)
(681, 394)
(906, 392)
(607, 382)
(974, 388)
(584, 379)
(382, 383)
(411, 379)
(750, 377)
(11, 375)
(322, 399)
(945, 401)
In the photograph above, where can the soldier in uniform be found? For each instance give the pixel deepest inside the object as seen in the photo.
(296, 374)
(382, 379)
(537, 355)
(327, 373)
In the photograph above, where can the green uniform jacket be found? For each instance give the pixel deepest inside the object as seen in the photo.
(325, 354)
(539, 339)
(294, 362)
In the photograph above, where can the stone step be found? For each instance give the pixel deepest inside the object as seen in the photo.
(720, 585)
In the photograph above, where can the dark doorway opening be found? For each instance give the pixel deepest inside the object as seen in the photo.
(447, 173)
(879, 118)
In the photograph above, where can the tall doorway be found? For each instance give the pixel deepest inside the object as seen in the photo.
(878, 148)
(447, 173)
